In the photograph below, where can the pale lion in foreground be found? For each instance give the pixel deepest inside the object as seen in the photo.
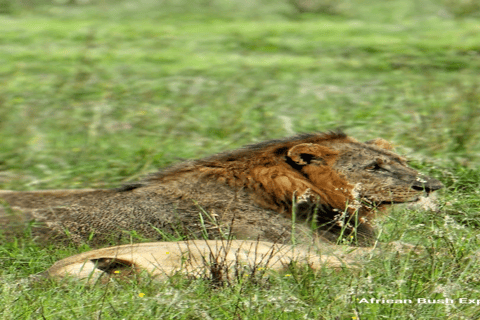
(332, 182)
(198, 258)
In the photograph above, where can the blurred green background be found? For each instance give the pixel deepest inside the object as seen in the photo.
(94, 92)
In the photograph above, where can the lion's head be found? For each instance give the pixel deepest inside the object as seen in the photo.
(347, 179)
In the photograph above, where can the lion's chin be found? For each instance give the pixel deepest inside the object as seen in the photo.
(428, 202)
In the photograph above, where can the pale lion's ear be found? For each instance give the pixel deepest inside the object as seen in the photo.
(381, 143)
(303, 154)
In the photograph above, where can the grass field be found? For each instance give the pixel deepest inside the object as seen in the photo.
(103, 92)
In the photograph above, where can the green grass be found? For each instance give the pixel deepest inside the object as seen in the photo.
(99, 94)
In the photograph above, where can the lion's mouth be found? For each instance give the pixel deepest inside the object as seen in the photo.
(416, 194)
(374, 204)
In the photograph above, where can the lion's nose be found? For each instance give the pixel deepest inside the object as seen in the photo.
(428, 185)
(435, 185)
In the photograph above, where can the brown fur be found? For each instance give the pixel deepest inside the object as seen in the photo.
(329, 179)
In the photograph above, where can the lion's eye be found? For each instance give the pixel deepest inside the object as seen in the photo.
(372, 167)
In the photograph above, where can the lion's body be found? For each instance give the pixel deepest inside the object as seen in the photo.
(250, 193)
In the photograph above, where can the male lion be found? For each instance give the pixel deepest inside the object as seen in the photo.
(329, 181)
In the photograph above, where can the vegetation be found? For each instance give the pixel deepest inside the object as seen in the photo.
(98, 93)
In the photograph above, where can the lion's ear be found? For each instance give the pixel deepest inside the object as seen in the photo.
(303, 154)
(381, 143)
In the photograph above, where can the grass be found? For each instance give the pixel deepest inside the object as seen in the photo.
(101, 93)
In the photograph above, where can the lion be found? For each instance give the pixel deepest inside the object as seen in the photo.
(217, 260)
(277, 191)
